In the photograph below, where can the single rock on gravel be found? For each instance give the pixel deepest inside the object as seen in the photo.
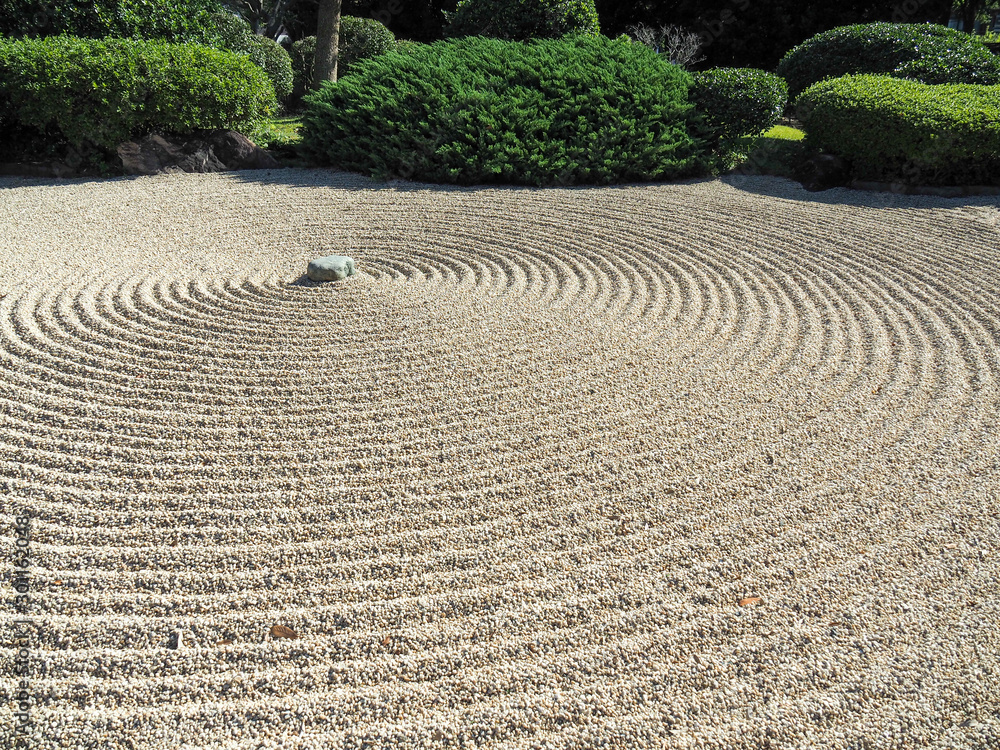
(823, 172)
(204, 151)
(331, 268)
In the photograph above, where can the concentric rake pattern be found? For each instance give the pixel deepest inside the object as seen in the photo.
(511, 484)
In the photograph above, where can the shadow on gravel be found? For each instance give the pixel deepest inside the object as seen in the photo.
(351, 181)
(782, 187)
(765, 185)
(305, 281)
(10, 182)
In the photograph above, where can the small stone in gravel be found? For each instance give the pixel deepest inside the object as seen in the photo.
(331, 268)
(280, 631)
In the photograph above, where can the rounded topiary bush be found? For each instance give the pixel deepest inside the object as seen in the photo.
(475, 110)
(274, 60)
(899, 130)
(236, 35)
(102, 92)
(523, 19)
(168, 20)
(360, 39)
(953, 66)
(926, 52)
(738, 101)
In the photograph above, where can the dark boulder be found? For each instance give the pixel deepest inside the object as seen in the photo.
(206, 151)
(822, 172)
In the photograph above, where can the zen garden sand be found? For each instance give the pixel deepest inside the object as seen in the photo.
(713, 464)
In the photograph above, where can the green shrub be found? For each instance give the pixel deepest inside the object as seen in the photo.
(360, 39)
(173, 20)
(520, 20)
(272, 58)
(952, 66)
(303, 53)
(102, 92)
(230, 31)
(926, 52)
(892, 129)
(738, 101)
(564, 111)
(407, 45)
(236, 35)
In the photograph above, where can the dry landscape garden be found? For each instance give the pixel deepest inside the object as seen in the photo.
(660, 410)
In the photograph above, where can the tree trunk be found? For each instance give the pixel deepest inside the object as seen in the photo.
(327, 41)
(277, 18)
(968, 12)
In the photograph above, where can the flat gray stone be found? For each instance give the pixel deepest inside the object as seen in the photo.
(331, 268)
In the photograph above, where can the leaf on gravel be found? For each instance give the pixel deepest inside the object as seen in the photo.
(387, 640)
(280, 631)
(750, 600)
(225, 642)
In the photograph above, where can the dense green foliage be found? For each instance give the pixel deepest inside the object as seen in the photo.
(102, 92)
(925, 52)
(953, 66)
(580, 109)
(235, 35)
(272, 58)
(756, 33)
(738, 101)
(735, 33)
(894, 129)
(172, 20)
(303, 54)
(520, 20)
(360, 39)
(407, 45)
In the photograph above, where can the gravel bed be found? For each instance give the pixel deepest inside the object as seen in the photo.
(713, 464)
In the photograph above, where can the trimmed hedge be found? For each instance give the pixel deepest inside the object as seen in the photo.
(738, 101)
(104, 91)
(899, 130)
(924, 52)
(360, 39)
(171, 20)
(236, 35)
(520, 20)
(575, 110)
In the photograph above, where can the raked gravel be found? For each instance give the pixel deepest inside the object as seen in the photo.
(510, 484)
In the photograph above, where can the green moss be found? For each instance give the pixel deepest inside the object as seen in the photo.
(784, 133)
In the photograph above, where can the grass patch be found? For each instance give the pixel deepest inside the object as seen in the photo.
(784, 133)
(280, 132)
(778, 154)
